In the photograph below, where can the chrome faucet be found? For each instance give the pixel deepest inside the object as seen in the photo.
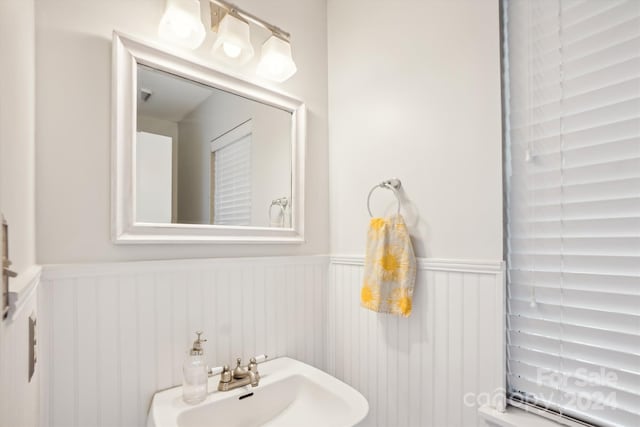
(240, 376)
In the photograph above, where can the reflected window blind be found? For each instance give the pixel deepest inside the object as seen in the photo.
(572, 167)
(232, 192)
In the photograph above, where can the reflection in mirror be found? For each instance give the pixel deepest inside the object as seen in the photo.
(208, 156)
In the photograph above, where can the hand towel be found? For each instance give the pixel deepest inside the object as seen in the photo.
(390, 267)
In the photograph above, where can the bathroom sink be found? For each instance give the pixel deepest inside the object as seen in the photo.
(291, 393)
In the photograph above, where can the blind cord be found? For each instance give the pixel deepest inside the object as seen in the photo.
(562, 166)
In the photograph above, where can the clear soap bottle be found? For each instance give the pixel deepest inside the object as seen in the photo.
(194, 372)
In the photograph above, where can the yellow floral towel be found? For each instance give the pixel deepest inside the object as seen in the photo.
(390, 267)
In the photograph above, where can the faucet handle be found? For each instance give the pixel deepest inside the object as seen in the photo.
(253, 362)
(239, 371)
(253, 365)
(217, 370)
(259, 359)
(225, 376)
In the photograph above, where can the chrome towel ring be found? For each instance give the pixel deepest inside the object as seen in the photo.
(392, 184)
(282, 202)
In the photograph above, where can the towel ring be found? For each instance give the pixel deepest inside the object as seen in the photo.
(282, 202)
(392, 184)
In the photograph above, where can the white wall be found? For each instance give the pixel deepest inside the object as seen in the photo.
(19, 398)
(270, 154)
(119, 332)
(414, 92)
(17, 140)
(74, 72)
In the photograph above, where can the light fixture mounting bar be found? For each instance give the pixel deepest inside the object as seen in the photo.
(230, 8)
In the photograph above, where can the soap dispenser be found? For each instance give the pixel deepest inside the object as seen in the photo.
(195, 377)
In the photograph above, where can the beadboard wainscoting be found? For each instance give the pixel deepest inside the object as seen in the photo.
(119, 332)
(434, 368)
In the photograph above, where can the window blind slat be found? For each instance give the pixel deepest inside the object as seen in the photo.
(579, 193)
(620, 246)
(617, 380)
(616, 170)
(575, 18)
(525, 212)
(588, 352)
(546, 154)
(576, 13)
(618, 131)
(604, 227)
(603, 320)
(627, 265)
(596, 300)
(580, 58)
(584, 101)
(620, 341)
(607, 19)
(598, 116)
(579, 281)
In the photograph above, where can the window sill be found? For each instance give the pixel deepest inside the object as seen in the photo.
(513, 417)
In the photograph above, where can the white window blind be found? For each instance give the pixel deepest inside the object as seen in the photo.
(232, 192)
(572, 165)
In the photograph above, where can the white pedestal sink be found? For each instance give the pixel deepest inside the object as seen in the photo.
(291, 394)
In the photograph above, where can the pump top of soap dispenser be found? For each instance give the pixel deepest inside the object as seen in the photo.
(197, 349)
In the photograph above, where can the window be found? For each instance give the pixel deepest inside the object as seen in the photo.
(572, 170)
(231, 177)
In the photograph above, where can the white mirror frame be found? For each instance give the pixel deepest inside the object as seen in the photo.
(127, 53)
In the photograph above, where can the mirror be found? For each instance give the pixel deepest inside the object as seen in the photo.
(201, 156)
(208, 156)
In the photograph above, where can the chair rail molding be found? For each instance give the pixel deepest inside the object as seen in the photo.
(435, 264)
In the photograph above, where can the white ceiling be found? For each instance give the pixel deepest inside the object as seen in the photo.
(172, 97)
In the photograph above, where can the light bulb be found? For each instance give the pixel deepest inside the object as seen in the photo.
(231, 50)
(180, 28)
(276, 65)
(232, 44)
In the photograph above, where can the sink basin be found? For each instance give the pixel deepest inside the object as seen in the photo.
(291, 393)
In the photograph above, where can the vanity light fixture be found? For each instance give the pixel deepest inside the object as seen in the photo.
(232, 44)
(276, 62)
(181, 24)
